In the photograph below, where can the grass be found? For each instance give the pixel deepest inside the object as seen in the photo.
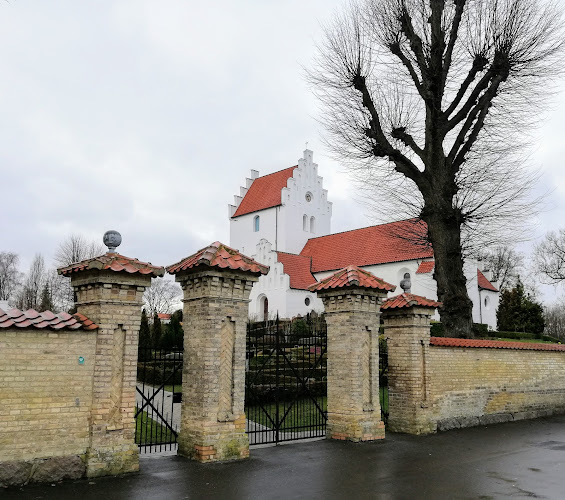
(303, 414)
(148, 431)
(529, 341)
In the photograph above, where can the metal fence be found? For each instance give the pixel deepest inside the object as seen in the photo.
(286, 380)
(158, 399)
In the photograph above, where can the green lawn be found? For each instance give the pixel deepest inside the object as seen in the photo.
(147, 431)
(303, 412)
(529, 341)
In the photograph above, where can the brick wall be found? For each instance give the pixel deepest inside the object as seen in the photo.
(46, 398)
(472, 386)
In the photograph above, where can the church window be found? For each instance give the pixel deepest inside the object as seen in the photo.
(305, 222)
(256, 223)
(308, 196)
(312, 225)
(307, 301)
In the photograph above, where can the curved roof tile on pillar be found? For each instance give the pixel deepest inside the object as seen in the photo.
(352, 276)
(219, 255)
(46, 319)
(408, 300)
(114, 262)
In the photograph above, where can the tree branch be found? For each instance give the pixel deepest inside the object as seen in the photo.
(383, 148)
(459, 7)
(397, 51)
(414, 40)
(401, 134)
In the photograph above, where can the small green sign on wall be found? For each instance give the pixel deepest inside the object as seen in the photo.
(80, 360)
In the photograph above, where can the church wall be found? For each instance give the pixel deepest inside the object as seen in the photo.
(242, 234)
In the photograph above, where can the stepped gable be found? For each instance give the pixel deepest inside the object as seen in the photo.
(393, 242)
(298, 268)
(46, 319)
(408, 300)
(484, 283)
(114, 262)
(219, 255)
(264, 192)
(494, 344)
(426, 267)
(352, 276)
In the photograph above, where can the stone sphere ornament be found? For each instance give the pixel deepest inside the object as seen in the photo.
(406, 283)
(112, 239)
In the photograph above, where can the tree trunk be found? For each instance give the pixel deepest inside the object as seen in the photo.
(445, 236)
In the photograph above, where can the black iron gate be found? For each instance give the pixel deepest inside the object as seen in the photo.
(286, 380)
(158, 398)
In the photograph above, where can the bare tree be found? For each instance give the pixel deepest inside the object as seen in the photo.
(505, 264)
(29, 294)
(162, 296)
(428, 104)
(554, 316)
(10, 276)
(76, 248)
(549, 257)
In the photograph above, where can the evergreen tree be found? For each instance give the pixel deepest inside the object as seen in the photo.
(157, 331)
(46, 303)
(173, 337)
(144, 337)
(519, 312)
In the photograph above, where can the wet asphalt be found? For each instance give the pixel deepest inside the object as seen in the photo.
(515, 460)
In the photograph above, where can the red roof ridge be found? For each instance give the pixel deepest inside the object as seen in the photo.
(264, 193)
(364, 227)
(408, 300)
(46, 319)
(493, 344)
(352, 276)
(219, 255)
(484, 283)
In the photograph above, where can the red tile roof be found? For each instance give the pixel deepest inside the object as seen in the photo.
(46, 319)
(409, 300)
(426, 267)
(163, 316)
(394, 242)
(352, 276)
(219, 255)
(114, 262)
(483, 283)
(494, 344)
(264, 192)
(298, 268)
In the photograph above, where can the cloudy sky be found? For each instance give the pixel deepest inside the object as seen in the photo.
(147, 116)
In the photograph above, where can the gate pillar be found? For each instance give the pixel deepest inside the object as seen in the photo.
(109, 291)
(407, 328)
(216, 283)
(352, 298)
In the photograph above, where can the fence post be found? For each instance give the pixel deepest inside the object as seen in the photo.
(352, 298)
(216, 283)
(407, 328)
(109, 290)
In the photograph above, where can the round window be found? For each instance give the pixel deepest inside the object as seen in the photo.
(307, 301)
(308, 196)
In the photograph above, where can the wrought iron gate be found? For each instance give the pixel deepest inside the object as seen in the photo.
(286, 380)
(158, 398)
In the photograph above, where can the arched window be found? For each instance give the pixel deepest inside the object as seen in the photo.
(312, 225)
(256, 223)
(305, 222)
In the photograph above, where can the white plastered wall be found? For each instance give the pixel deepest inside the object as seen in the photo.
(276, 287)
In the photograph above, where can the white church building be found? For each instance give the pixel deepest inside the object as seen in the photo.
(283, 220)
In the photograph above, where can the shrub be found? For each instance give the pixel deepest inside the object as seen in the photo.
(437, 329)
(480, 330)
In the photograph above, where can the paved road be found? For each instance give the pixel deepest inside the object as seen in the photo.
(517, 460)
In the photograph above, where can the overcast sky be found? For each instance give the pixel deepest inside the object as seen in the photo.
(146, 117)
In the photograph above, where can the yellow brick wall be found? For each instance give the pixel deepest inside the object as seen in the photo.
(45, 394)
(471, 386)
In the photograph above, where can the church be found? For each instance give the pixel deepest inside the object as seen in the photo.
(283, 220)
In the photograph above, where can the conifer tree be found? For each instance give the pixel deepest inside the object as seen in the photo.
(157, 331)
(144, 337)
(519, 312)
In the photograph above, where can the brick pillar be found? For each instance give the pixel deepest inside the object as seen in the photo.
(354, 411)
(213, 382)
(216, 283)
(407, 329)
(109, 291)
